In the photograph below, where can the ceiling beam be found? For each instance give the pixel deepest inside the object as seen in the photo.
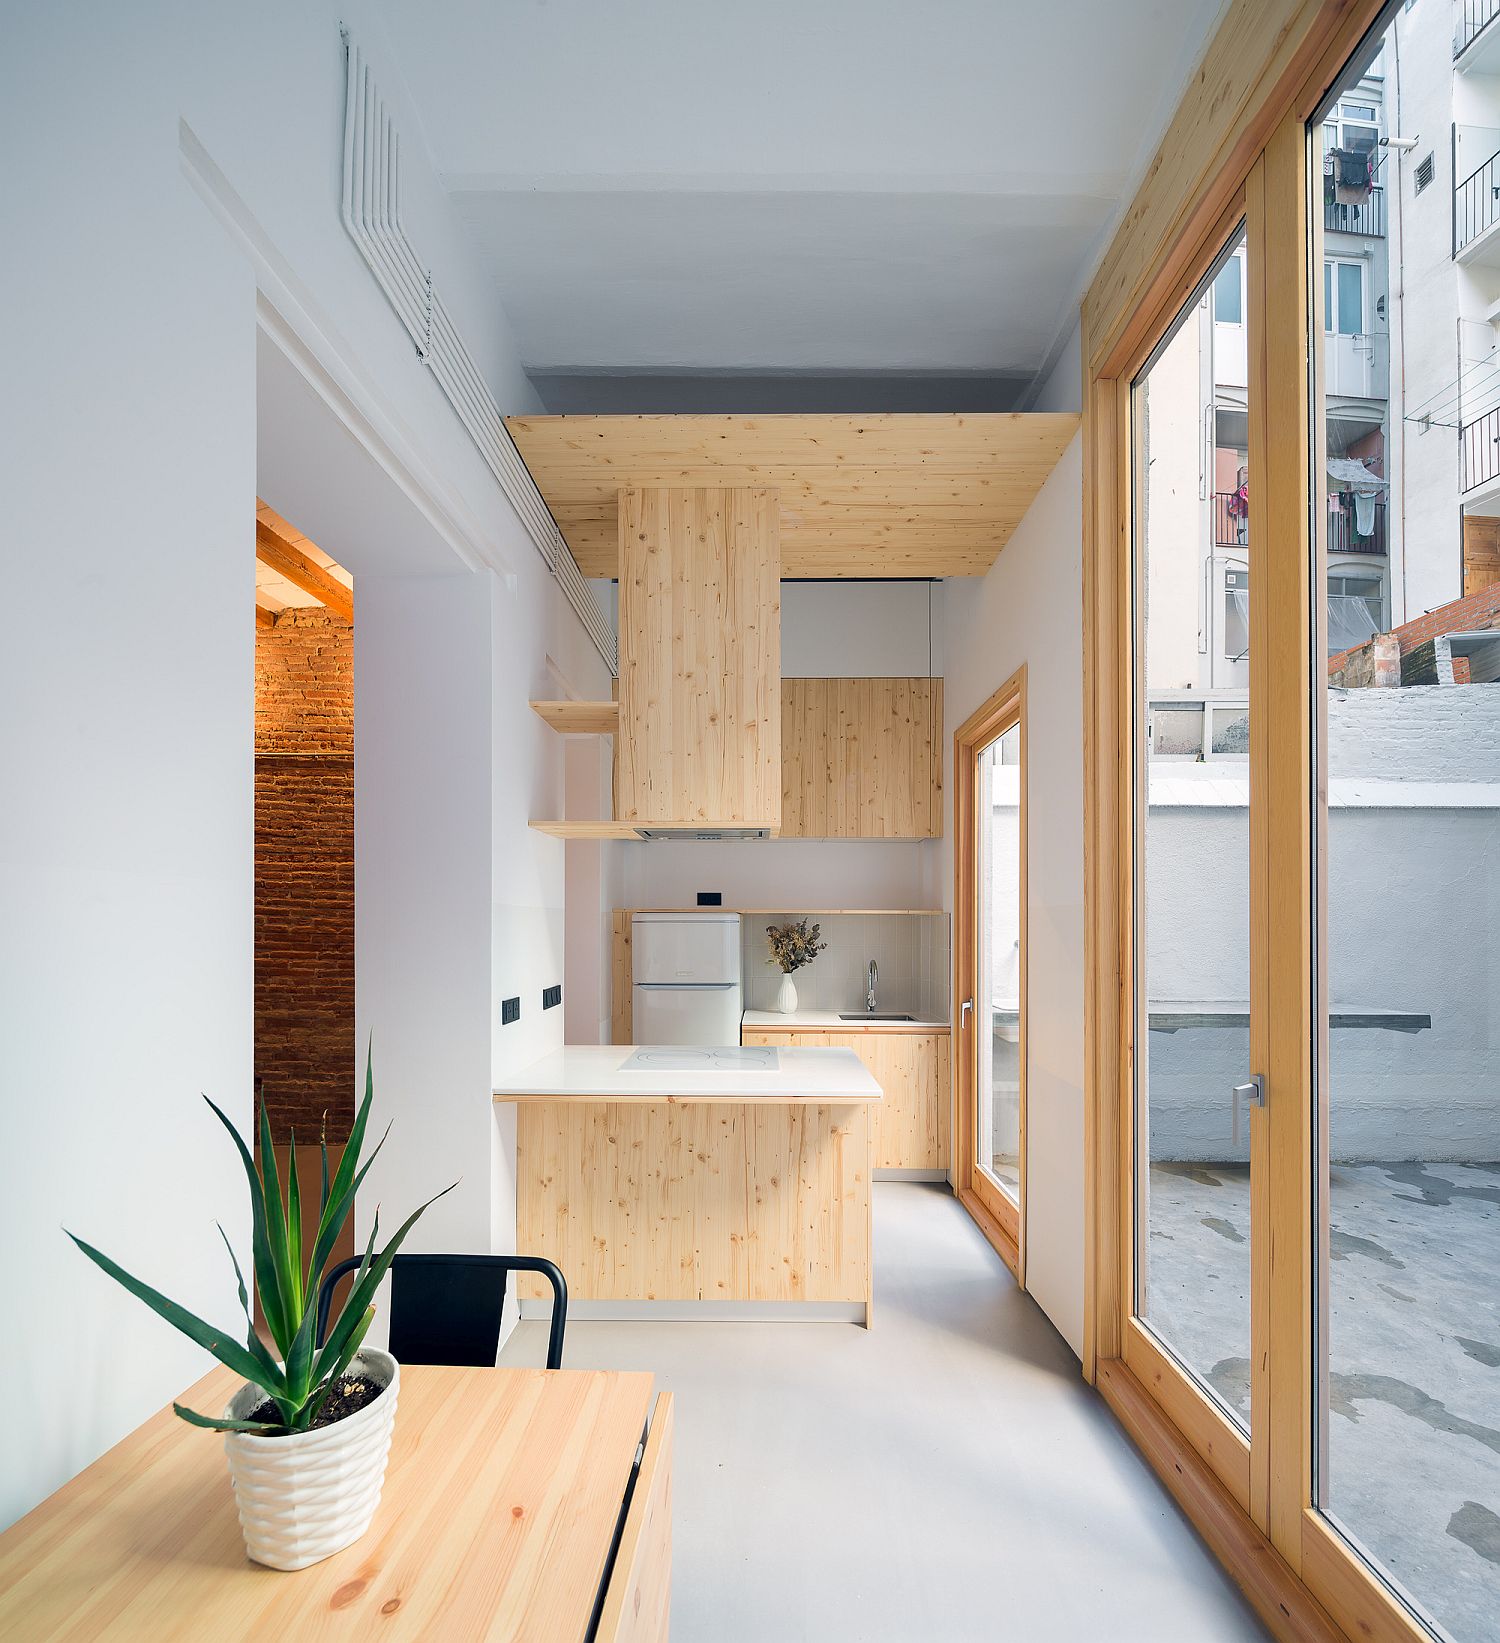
(264, 618)
(302, 572)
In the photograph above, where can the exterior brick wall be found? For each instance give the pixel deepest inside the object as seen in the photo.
(1471, 614)
(304, 872)
(1425, 733)
(1467, 615)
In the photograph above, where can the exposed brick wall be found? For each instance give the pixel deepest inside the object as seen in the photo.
(1473, 613)
(1467, 615)
(304, 872)
(1425, 733)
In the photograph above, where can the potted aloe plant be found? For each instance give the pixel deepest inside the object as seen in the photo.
(309, 1432)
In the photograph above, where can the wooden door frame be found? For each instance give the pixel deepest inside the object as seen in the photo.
(1002, 1222)
(1236, 145)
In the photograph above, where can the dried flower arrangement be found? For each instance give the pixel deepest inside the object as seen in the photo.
(793, 945)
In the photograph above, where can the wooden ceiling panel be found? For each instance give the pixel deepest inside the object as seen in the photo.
(878, 496)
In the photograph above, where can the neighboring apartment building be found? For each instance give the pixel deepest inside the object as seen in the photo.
(1411, 304)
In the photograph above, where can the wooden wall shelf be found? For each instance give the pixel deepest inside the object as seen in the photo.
(580, 718)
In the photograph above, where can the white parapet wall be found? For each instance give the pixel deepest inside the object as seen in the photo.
(1413, 889)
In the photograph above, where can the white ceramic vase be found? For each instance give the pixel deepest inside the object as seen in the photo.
(786, 999)
(306, 1496)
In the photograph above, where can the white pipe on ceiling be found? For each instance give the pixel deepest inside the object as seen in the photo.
(372, 216)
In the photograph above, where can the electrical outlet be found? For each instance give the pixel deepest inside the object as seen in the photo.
(510, 1010)
(551, 997)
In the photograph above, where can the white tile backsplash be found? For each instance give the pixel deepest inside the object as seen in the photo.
(910, 950)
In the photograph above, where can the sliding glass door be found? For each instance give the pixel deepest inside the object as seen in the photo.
(1406, 1162)
(990, 948)
(1305, 1271)
(1193, 547)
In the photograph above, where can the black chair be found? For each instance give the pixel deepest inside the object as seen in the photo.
(446, 1308)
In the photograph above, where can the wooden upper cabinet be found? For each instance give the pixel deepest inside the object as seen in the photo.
(700, 657)
(862, 758)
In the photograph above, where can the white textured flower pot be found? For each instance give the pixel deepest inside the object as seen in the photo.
(786, 998)
(308, 1495)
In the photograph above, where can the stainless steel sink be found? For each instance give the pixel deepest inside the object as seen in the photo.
(876, 1015)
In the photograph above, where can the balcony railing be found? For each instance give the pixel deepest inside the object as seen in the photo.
(1343, 528)
(1474, 17)
(1476, 202)
(1231, 530)
(1366, 218)
(1481, 449)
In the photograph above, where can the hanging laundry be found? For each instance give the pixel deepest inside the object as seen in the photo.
(1355, 480)
(1353, 175)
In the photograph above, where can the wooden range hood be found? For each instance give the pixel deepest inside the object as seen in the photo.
(699, 744)
(698, 722)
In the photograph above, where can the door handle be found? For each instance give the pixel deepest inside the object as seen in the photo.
(1253, 1094)
(964, 1009)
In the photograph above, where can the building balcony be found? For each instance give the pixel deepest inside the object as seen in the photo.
(1476, 46)
(1365, 218)
(1480, 446)
(1231, 530)
(1476, 213)
(1356, 366)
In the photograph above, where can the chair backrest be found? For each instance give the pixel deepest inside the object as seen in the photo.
(447, 1308)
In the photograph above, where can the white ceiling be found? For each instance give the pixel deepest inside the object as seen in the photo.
(793, 185)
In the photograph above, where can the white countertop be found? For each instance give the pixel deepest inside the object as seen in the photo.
(829, 1021)
(597, 1072)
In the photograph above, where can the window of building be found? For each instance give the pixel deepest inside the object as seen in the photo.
(1344, 297)
(1356, 609)
(1229, 293)
(1353, 126)
(1236, 614)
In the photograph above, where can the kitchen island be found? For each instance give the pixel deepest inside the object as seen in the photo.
(688, 1182)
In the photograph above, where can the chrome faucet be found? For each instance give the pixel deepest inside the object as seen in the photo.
(870, 990)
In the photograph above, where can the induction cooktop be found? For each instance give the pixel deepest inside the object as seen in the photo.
(728, 1058)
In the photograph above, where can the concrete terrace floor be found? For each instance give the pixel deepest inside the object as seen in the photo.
(945, 1476)
(1414, 1356)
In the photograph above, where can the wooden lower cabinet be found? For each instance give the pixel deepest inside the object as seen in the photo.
(911, 1131)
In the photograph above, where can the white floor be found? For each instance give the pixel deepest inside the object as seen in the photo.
(945, 1476)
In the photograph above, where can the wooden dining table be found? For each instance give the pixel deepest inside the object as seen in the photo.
(519, 1504)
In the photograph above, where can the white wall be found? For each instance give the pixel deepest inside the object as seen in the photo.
(1028, 609)
(128, 467)
(859, 630)
(1413, 894)
(422, 856)
(1062, 389)
(131, 466)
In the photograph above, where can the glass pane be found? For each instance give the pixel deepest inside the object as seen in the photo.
(1228, 308)
(1192, 556)
(1351, 299)
(1327, 296)
(1408, 1194)
(1176, 730)
(1231, 730)
(998, 1109)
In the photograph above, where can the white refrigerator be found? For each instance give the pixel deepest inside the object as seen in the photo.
(687, 978)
